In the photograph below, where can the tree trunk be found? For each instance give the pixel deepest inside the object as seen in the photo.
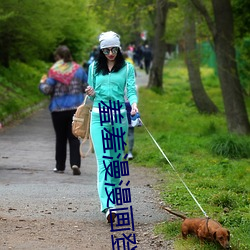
(223, 38)
(201, 99)
(235, 109)
(159, 47)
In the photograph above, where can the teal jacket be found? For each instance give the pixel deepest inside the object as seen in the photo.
(113, 85)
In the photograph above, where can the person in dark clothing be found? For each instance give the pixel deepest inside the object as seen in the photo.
(92, 57)
(65, 83)
(147, 54)
(138, 56)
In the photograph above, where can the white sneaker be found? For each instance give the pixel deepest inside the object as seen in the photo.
(76, 170)
(110, 215)
(58, 171)
(130, 156)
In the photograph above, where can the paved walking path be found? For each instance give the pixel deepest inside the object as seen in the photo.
(40, 209)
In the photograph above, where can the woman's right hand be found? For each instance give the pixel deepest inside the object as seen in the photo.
(134, 109)
(90, 91)
(43, 79)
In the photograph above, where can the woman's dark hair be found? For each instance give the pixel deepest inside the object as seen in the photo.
(63, 52)
(102, 67)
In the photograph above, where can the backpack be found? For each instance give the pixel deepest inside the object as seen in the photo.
(81, 125)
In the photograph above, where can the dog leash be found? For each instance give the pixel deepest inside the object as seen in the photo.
(174, 170)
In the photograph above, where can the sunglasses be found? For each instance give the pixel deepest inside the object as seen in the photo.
(106, 51)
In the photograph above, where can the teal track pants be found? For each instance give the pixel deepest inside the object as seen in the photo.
(96, 135)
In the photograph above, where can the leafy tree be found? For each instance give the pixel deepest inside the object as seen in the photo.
(175, 24)
(242, 33)
(21, 34)
(126, 17)
(28, 33)
(156, 72)
(241, 18)
(201, 99)
(221, 28)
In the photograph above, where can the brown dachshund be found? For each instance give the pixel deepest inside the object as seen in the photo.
(204, 229)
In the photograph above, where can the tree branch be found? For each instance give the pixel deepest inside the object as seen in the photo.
(202, 9)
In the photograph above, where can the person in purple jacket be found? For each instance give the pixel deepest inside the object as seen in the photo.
(65, 83)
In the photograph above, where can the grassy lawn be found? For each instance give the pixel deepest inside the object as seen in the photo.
(214, 164)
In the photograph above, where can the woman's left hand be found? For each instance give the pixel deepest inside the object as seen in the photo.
(134, 109)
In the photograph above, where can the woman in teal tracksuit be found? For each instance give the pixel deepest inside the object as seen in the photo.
(108, 78)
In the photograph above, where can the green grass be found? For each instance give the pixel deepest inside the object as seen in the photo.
(214, 164)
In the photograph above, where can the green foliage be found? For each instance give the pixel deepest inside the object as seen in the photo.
(224, 200)
(127, 17)
(175, 25)
(19, 87)
(243, 59)
(29, 33)
(231, 146)
(176, 18)
(241, 17)
(219, 183)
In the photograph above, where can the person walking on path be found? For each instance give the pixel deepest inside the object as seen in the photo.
(131, 129)
(108, 78)
(147, 54)
(65, 84)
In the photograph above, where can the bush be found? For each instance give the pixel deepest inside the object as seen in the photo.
(224, 200)
(19, 88)
(231, 146)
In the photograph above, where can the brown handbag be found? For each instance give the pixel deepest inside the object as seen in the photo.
(81, 126)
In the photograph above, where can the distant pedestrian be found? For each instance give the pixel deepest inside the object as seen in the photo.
(147, 54)
(65, 84)
(93, 55)
(138, 56)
